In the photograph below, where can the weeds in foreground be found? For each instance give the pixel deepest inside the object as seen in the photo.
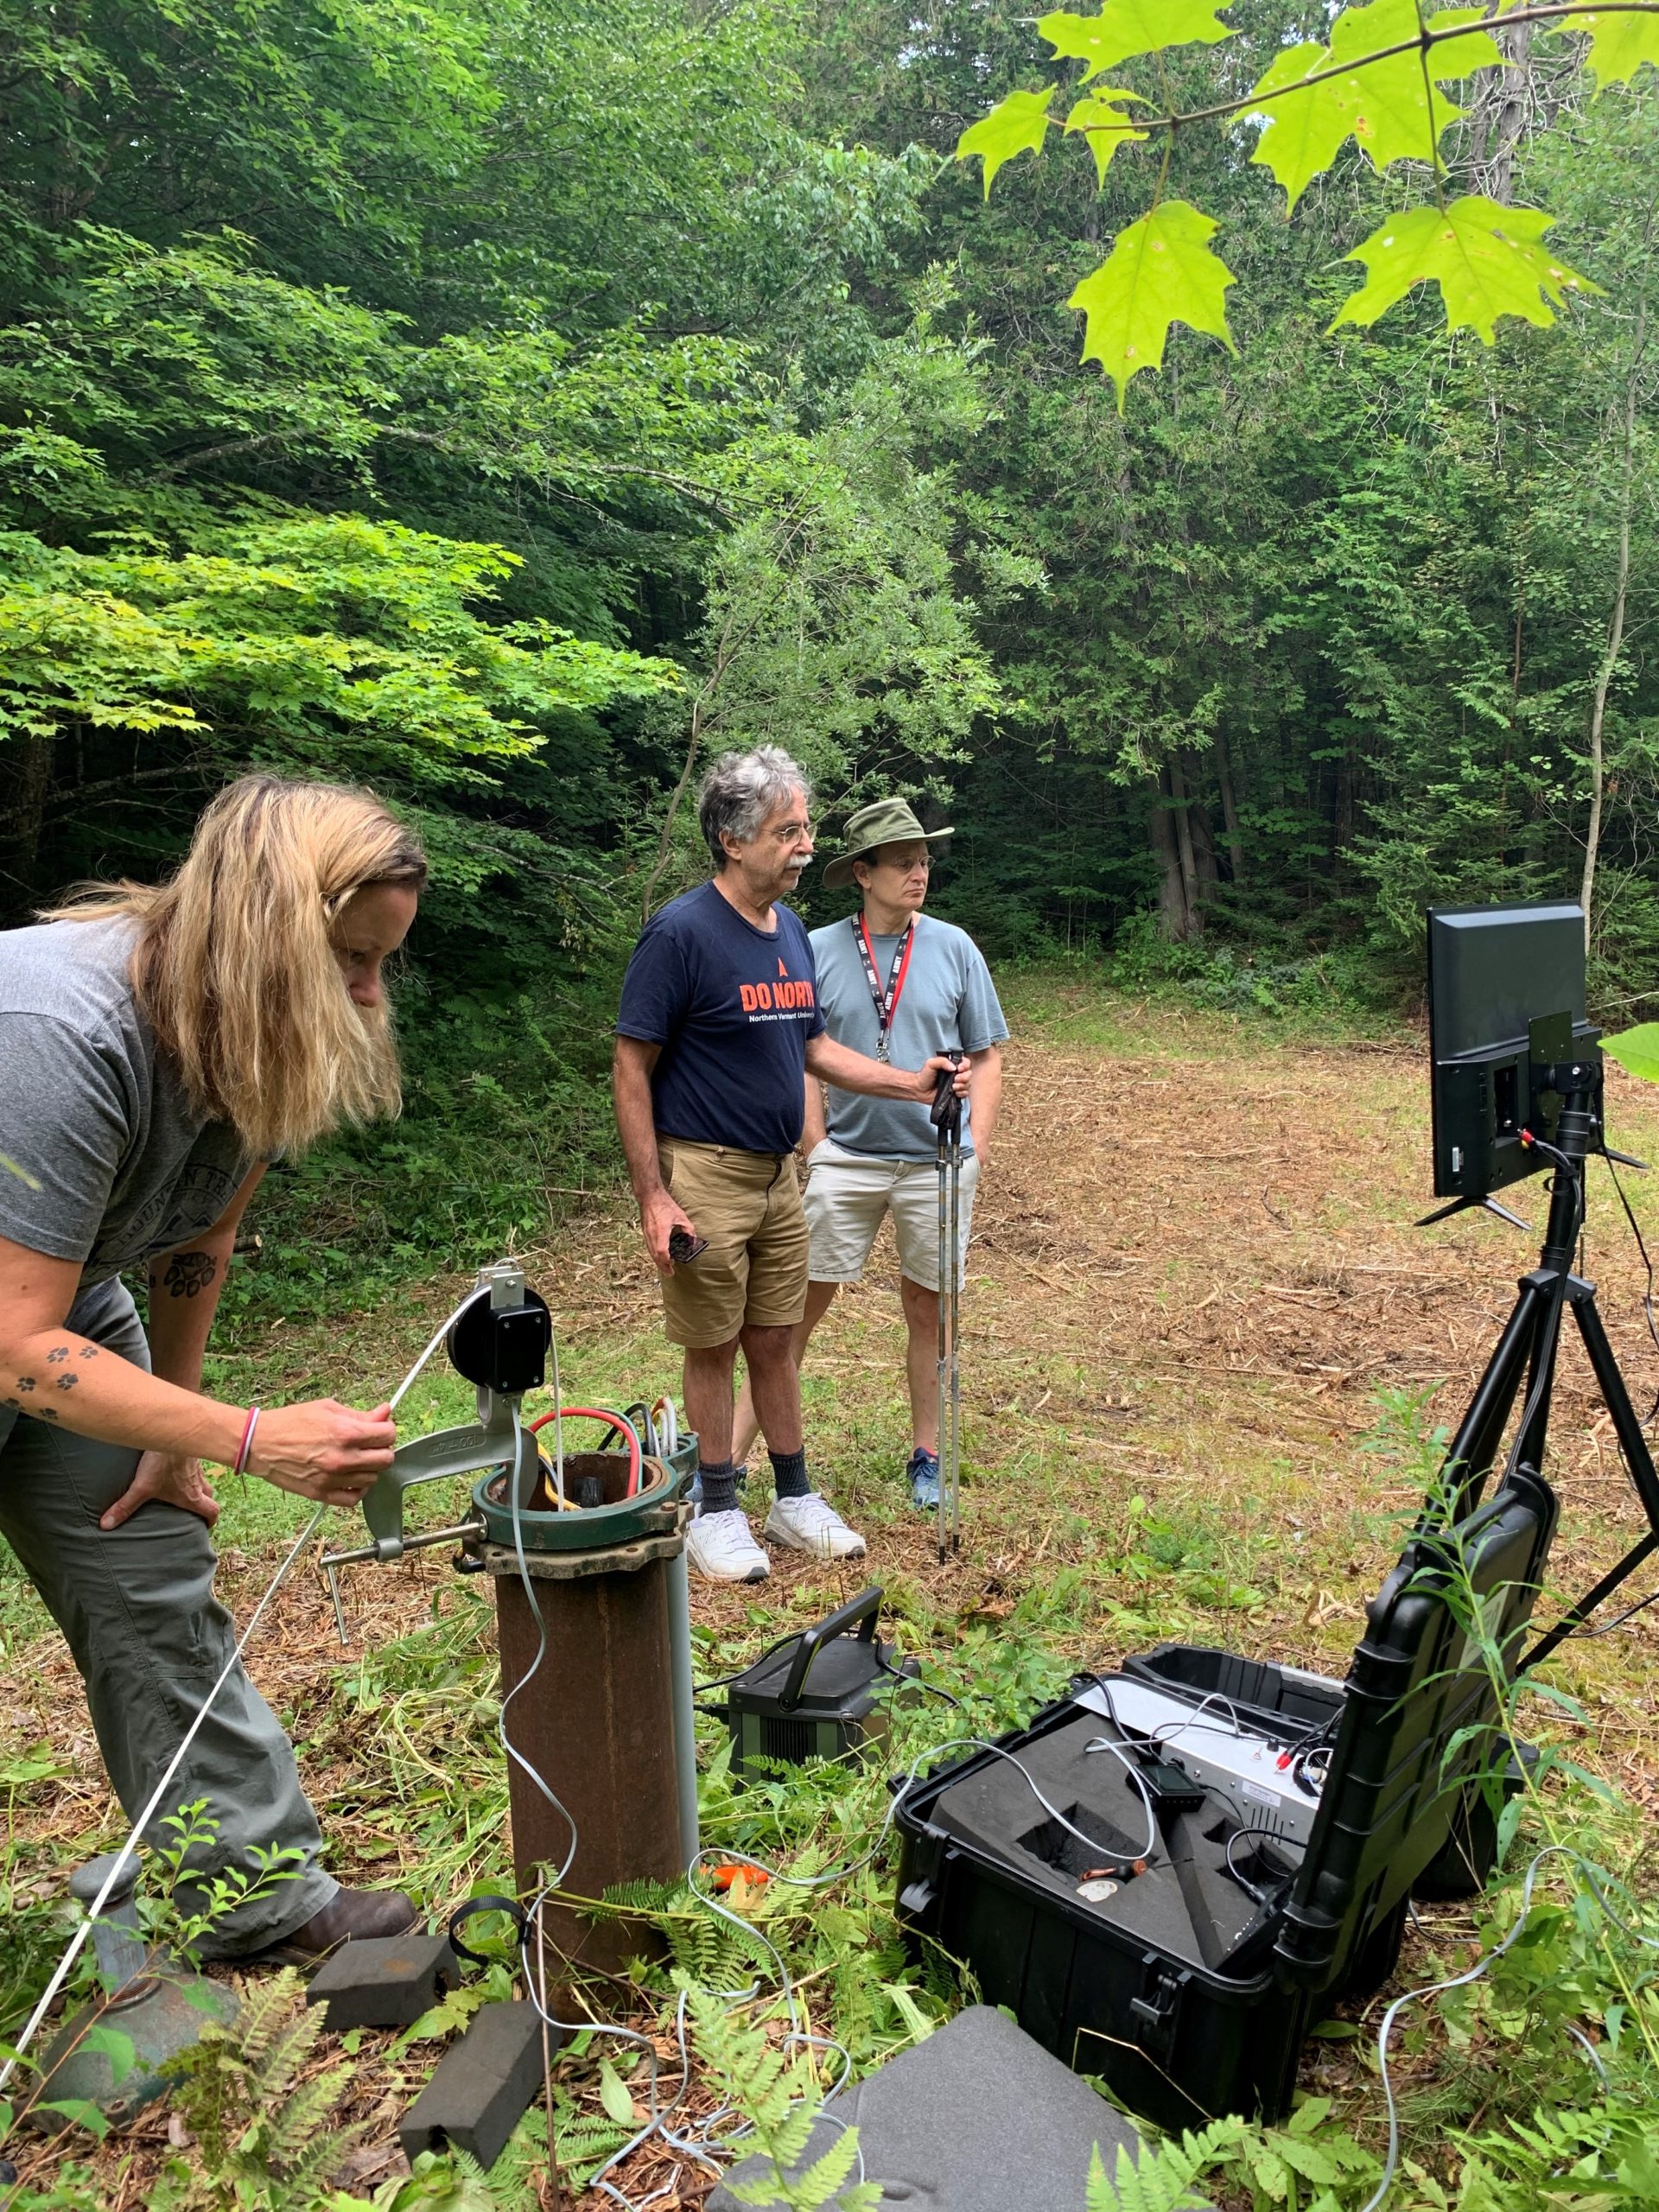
(257, 2110)
(1530, 2088)
(781, 2104)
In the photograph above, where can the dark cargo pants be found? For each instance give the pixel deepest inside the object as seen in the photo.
(137, 1606)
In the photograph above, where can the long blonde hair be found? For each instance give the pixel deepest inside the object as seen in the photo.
(235, 963)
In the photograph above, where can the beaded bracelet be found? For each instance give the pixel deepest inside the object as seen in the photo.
(246, 1446)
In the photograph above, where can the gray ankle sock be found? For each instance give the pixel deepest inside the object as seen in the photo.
(789, 1473)
(719, 1486)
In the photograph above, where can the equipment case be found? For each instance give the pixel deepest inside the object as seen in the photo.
(1145, 1983)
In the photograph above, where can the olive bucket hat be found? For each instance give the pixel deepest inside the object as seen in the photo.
(884, 822)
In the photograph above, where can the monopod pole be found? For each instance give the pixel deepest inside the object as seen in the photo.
(947, 1119)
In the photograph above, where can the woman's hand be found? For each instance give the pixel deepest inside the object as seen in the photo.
(171, 1480)
(323, 1450)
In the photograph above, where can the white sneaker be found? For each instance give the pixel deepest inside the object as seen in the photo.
(722, 1549)
(812, 1524)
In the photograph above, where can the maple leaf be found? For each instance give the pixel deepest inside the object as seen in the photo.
(1014, 125)
(1619, 46)
(1383, 104)
(1487, 260)
(1126, 28)
(1450, 58)
(1302, 135)
(1160, 271)
(1108, 126)
(1397, 116)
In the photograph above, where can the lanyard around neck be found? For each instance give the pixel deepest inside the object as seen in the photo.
(886, 1002)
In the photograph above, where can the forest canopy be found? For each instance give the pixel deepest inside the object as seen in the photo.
(508, 406)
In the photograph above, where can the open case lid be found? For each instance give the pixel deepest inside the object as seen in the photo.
(1420, 1718)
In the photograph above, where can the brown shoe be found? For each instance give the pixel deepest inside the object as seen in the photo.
(350, 1914)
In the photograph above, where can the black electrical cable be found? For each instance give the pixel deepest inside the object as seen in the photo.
(1300, 1743)
(1647, 1296)
(1273, 1836)
(721, 1680)
(1564, 1166)
(899, 1676)
(1587, 1634)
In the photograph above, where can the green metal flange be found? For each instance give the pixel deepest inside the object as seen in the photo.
(654, 1512)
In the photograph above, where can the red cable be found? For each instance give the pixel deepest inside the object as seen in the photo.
(598, 1412)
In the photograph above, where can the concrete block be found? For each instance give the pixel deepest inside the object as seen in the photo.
(384, 1981)
(978, 2119)
(482, 2086)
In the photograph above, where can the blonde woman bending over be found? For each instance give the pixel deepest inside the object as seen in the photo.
(158, 1046)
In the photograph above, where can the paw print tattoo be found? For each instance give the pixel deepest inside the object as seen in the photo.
(45, 1412)
(25, 1381)
(89, 1351)
(57, 1355)
(190, 1273)
(67, 1381)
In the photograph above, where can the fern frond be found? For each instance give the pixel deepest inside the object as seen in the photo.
(822, 2182)
(295, 2123)
(714, 1955)
(304, 2175)
(267, 2010)
(499, 2187)
(788, 2140)
(1160, 2180)
(646, 1897)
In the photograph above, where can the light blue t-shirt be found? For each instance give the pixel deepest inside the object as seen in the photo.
(949, 1004)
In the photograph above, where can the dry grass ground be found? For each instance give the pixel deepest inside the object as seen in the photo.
(1194, 1270)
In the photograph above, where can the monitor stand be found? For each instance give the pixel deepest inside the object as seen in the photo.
(1527, 1350)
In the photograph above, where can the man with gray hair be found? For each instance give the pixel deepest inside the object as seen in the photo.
(718, 1027)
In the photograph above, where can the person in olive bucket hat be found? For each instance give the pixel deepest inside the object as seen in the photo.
(719, 1039)
(895, 984)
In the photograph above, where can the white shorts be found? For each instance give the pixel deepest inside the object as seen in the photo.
(846, 1196)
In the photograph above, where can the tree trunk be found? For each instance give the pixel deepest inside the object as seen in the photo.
(29, 761)
(1501, 100)
(1174, 917)
(1205, 862)
(1615, 625)
(1190, 887)
(1229, 805)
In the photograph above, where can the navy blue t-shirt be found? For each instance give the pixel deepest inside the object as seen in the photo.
(732, 1007)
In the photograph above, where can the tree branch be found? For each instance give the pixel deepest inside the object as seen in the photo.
(1559, 11)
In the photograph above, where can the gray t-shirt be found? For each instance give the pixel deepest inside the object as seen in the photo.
(117, 1166)
(949, 1004)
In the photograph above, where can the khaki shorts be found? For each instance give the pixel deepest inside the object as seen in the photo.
(754, 1274)
(847, 1195)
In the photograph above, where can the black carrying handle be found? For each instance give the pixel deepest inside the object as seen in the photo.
(858, 1613)
(945, 1112)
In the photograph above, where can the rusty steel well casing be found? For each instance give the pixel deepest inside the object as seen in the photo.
(596, 1721)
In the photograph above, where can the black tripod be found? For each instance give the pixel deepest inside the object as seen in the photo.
(1528, 1346)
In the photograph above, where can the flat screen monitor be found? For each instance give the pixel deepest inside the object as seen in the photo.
(1505, 996)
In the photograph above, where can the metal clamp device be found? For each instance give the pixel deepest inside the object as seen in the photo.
(498, 1342)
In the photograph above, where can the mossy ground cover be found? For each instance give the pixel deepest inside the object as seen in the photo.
(1195, 1280)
